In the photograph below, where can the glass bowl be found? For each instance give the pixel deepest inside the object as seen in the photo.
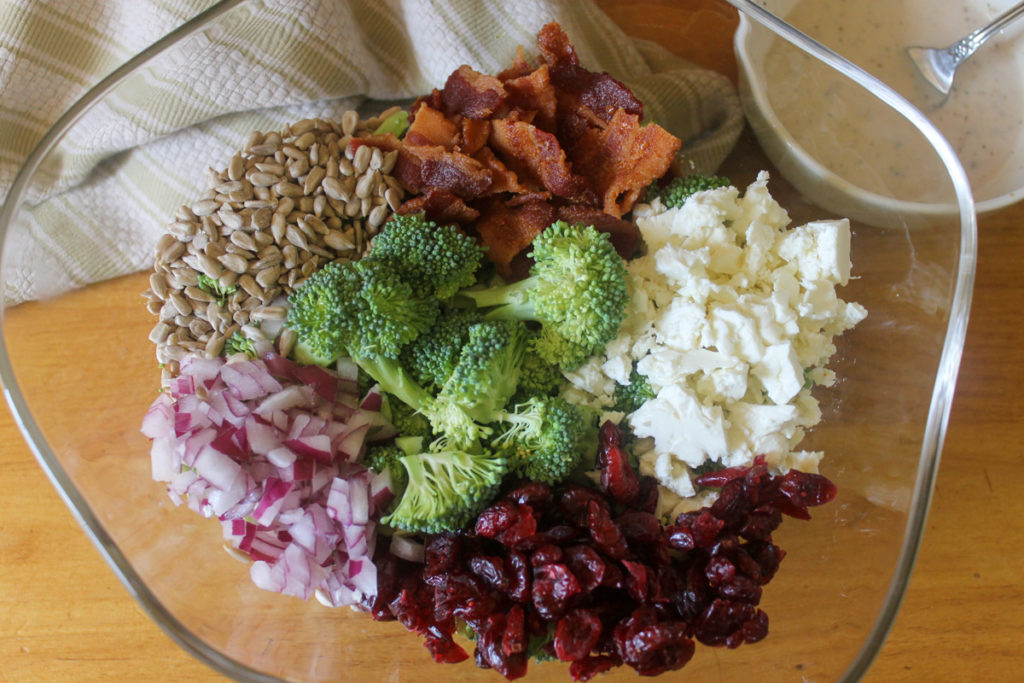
(845, 571)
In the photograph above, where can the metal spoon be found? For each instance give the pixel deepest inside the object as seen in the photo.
(939, 65)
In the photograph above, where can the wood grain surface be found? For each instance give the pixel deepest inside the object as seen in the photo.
(64, 616)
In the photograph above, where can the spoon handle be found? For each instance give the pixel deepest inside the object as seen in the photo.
(966, 46)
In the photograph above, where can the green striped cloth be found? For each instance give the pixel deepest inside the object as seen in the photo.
(104, 196)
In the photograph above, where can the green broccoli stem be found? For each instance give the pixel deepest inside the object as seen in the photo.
(393, 379)
(512, 300)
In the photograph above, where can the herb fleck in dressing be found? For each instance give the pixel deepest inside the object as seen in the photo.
(982, 117)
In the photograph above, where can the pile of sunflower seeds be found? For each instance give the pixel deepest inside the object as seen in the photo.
(287, 204)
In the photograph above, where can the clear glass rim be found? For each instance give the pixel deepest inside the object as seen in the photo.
(935, 429)
(956, 331)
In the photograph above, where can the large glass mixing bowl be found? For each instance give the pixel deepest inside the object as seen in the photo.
(845, 571)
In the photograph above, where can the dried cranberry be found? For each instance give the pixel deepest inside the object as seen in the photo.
(442, 555)
(534, 494)
(806, 490)
(574, 504)
(445, 650)
(586, 565)
(496, 519)
(491, 569)
(585, 669)
(553, 585)
(647, 496)
(519, 579)
(524, 526)
(741, 589)
(636, 581)
(652, 646)
(606, 535)
(514, 639)
(618, 477)
(728, 623)
(639, 527)
(489, 651)
(576, 634)
(546, 554)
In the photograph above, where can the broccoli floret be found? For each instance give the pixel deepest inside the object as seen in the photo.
(487, 372)
(385, 458)
(576, 291)
(408, 422)
(675, 193)
(322, 313)
(537, 377)
(239, 343)
(439, 259)
(546, 438)
(213, 287)
(446, 490)
(629, 397)
(431, 358)
(364, 305)
(448, 420)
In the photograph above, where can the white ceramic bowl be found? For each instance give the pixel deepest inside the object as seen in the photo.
(803, 125)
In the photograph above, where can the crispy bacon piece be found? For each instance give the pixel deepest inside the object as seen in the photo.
(599, 92)
(423, 166)
(518, 67)
(624, 234)
(537, 158)
(474, 135)
(622, 159)
(535, 92)
(506, 231)
(472, 94)
(440, 206)
(387, 142)
(503, 179)
(431, 127)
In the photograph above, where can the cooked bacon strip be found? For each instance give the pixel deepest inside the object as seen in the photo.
(537, 157)
(473, 94)
(624, 234)
(474, 135)
(599, 92)
(506, 231)
(534, 92)
(423, 166)
(518, 67)
(440, 206)
(430, 127)
(387, 142)
(622, 159)
(503, 179)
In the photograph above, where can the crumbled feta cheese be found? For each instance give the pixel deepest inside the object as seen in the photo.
(732, 317)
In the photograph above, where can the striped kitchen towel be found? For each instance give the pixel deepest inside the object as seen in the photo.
(104, 195)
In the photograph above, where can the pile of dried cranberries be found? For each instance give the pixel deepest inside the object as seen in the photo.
(592, 577)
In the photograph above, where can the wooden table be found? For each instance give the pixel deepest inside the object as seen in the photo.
(64, 616)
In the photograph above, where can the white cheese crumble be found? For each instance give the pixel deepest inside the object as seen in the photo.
(731, 319)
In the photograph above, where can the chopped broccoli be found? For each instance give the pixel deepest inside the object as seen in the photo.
(364, 305)
(396, 124)
(439, 259)
(537, 377)
(213, 287)
(576, 291)
(546, 438)
(446, 490)
(322, 313)
(408, 422)
(487, 372)
(629, 397)
(433, 355)
(239, 343)
(675, 193)
(385, 457)
(448, 420)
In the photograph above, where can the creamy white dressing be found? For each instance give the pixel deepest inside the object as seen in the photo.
(863, 141)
